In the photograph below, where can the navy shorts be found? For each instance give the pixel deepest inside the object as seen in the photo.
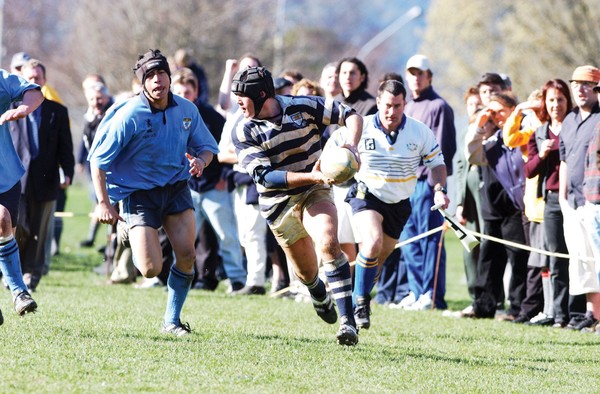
(150, 207)
(395, 215)
(10, 200)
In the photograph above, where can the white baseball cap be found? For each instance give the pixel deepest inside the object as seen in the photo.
(418, 61)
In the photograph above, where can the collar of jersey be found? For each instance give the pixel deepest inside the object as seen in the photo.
(377, 123)
(170, 103)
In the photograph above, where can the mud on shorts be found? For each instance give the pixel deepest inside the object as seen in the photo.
(288, 227)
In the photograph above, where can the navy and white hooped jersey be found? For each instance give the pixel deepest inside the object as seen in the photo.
(390, 170)
(294, 145)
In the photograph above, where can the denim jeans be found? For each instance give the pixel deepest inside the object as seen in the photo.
(216, 206)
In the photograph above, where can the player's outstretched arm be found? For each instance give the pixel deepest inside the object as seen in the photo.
(31, 100)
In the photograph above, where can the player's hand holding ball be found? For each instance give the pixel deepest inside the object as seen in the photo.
(339, 163)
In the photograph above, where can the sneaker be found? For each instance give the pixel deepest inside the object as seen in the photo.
(587, 321)
(250, 290)
(149, 283)
(423, 303)
(88, 243)
(362, 312)
(1, 318)
(347, 333)
(541, 319)
(559, 324)
(24, 303)
(325, 309)
(178, 330)
(521, 319)
(235, 286)
(592, 329)
(405, 302)
(575, 320)
(509, 317)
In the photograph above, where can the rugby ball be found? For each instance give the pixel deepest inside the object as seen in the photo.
(338, 163)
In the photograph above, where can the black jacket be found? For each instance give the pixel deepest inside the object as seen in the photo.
(55, 150)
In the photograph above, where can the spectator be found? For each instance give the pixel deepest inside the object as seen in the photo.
(43, 179)
(306, 87)
(575, 136)
(213, 203)
(329, 81)
(292, 75)
(13, 88)
(421, 257)
(251, 224)
(283, 86)
(183, 59)
(227, 104)
(392, 76)
(467, 180)
(98, 101)
(516, 133)
(502, 209)
(354, 80)
(544, 162)
(591, 191)
(18, 61)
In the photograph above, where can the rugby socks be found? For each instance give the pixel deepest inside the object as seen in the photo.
(316, 288)
(10, 264)
(365, 274)
(178, 286)
(340, 282)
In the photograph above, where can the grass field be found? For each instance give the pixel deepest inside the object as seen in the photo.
(91, 337)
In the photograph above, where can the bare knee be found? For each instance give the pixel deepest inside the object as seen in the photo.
(330, 248)
(185, 259)
(372, 247)
(5, 222)
(149, 272)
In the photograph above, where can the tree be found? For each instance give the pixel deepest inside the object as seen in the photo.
(530, 41)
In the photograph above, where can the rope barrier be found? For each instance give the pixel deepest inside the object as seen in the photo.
(529, 248)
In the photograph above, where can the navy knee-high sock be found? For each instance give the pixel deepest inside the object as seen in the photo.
(10, 264)
(316, 288)
(340, 282)
(178, 286)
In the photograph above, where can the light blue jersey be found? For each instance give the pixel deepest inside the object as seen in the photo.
(141, 148)
(12, 88)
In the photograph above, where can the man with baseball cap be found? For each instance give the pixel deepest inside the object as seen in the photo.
(577, 131)
(421, 257)
(143, 154)
(280, 145)
(17, 61)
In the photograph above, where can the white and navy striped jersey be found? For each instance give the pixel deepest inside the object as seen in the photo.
(390, 170)
(294, 145)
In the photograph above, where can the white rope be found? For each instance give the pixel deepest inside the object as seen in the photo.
(531, 249)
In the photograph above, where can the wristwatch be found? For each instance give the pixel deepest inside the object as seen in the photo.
(440, 188)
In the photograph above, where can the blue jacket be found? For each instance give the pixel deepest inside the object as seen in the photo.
(507, 165)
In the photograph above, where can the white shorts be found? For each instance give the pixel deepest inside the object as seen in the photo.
(583, 270)
(347, 233)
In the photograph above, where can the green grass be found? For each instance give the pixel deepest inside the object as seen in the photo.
(91, 337)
